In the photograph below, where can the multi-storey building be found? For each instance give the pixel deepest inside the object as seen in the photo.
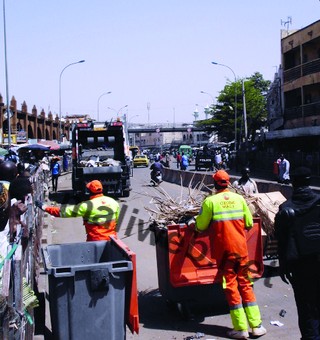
(294, 98)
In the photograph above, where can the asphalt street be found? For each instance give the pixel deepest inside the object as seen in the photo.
(158, 318)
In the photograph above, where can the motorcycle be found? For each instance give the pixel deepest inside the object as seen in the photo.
(156, 177)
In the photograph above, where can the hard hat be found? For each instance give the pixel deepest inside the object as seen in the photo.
(95, 187)
(222, 178)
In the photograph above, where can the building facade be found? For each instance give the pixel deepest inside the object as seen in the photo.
(294, 97)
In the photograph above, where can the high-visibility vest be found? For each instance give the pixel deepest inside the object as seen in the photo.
(100, 215)
(228, 214)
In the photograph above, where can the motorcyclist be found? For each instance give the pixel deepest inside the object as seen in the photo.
(156, 170)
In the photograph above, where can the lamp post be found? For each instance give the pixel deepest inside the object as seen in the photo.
(235, 102)
(6, 73)
(103, 94)
(127, 128)
(117, 111)
(203, 92)
(206, 110)
(77, 62)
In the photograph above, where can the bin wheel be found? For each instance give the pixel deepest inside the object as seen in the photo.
(185, 311)
(171, 305)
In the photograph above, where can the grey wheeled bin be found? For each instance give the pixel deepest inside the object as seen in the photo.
(87, 290)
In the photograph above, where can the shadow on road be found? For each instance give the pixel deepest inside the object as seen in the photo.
(157, 313)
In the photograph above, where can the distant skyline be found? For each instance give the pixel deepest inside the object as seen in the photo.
(153, 56)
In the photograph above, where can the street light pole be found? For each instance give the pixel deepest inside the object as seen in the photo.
(127, 128)
(208, 95)
(103, 94)
(77, 62)
(6, 71)
(206, 110)
(235, 102)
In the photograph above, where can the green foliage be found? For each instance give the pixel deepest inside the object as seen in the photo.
(222, 121)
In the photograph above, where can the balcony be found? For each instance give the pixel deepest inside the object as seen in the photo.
(301, 70)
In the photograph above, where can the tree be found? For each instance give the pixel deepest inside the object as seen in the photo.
(222, 121)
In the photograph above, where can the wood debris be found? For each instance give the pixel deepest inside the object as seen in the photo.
(168, 210)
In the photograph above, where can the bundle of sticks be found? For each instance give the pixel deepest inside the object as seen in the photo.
(168, 210)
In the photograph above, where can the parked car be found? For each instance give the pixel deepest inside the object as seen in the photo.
(140, 160)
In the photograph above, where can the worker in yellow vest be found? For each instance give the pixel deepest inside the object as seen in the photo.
(228, 214)
(100, 213)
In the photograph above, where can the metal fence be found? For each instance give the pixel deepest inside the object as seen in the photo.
(21, 268)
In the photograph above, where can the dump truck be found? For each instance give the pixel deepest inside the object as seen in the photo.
(99, 152)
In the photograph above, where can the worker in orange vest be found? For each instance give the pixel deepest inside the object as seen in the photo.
(228, 214)
(100, 213)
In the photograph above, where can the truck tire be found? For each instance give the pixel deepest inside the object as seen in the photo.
(125, 193)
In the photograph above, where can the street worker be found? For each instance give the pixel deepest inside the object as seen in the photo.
(100, 213)
(228, 215)
(245, 183)
(297, 228)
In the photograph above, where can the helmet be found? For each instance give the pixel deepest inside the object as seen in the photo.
(95, 187)
(222, 178)
(8, 171)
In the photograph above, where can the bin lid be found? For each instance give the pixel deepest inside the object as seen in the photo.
(132, 314)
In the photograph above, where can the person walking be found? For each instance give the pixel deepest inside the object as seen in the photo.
(184, 162)
(55, 173)
(297, 229)
(228, 215)
(100, 213)
(246, 184)
(178, 157)
(284, 169)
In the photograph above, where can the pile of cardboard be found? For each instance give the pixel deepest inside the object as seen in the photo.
(266, 205)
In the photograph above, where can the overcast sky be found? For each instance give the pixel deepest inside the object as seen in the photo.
(152, 54)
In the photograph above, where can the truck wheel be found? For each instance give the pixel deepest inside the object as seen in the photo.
(125, 193)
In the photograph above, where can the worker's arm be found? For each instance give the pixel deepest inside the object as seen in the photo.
(248, 219)
(204, 218)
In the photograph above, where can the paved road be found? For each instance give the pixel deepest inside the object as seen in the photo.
(157, 320)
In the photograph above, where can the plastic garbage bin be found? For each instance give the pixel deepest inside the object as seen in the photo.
(90, 289)
(187, 273)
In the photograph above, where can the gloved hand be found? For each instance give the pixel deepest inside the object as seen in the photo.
(40, 205)
(191, 223)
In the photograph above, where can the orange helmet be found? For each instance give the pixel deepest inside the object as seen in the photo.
(222, 178)
(95, 187)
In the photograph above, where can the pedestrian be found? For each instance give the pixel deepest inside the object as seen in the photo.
(297, 229)
(8, 172)
(184, 161)
(284, 169)
(178, 160)
(228, 215)
(65, 162)
(246, 184)
(55, 173)
(218, 159)
(100, 213)
(167, 160)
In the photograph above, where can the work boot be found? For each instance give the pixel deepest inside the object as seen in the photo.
(233, 334)
(259, 331)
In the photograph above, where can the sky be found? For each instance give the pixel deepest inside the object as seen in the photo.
(154, 56)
